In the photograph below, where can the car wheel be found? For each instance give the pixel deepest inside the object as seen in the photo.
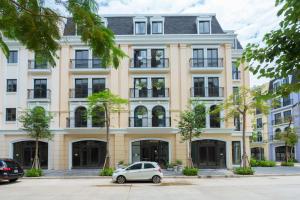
(13, 180)
(121, 179)
(156, 179)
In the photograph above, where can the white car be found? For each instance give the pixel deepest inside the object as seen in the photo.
(138, 171)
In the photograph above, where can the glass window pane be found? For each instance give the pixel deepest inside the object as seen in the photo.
(204, 27)
(13, 57)
(236, 152)
(156, 27)
(140, 27)
(148, 166)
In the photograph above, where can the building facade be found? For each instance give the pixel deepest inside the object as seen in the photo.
(172, 59)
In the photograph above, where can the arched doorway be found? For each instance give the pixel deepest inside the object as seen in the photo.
(140, 116)
(209, 154)
(88, 154)
(280, 153)
(158, 116)
(81, 117)
(257, 153)
(24, 153)
(150, 150)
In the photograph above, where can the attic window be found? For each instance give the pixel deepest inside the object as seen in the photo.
(157, 27)
(140, 28)
(204, 27)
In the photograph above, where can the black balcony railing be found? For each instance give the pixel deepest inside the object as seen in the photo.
(86, 64)
(32, 64)
(281, 120)
(84, 93)
(149, 93)
(149, 122)
(236, 75)
(207, 92)
(149, 63)
(38, 93)
(83, 122)
(206, 62)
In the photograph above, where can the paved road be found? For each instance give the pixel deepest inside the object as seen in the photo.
(260, 188)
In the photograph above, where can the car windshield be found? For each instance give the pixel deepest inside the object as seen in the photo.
(136, 166)
(11, 164)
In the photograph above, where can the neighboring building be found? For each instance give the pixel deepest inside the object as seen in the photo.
(171, 59)
(283, 109)
(259, 143)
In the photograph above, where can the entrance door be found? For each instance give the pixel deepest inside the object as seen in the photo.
(209, 154)
(88, 154)
(280, 153)
(151, 150)
(24, 153)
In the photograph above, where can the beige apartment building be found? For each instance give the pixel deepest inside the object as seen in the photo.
(172, 59)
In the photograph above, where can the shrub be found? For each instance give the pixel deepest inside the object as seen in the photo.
(190, 171)
(243, 171)
(106, 172)
(287, 164)
(253, 163)
(121, 162)
(262, 163)
(33, 172)
(178, 162)
(293, 160)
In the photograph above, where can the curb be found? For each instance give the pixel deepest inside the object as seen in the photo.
(166, 177)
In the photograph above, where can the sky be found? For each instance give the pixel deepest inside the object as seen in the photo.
(250, 19)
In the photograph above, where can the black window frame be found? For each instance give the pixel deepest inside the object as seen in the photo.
(130, 168)
(11, 85)
(13, 57)
(152, 166)
(11, 114)
(236, 161)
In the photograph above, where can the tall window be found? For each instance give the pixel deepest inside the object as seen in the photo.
(287, 116)
(81, 58)
(81, 88)
(198, 58)
(214, 117)
(212, 57)
(157, 27)
(277, 118)
(213, 87)
(140, 28)
(98, 84)
(204, 27)
(13, 57)
(11, 85)
(199, 89)
(259, 123)
(140, 58)
(236, 152)
(200, 116)
(158, 87)
(140, 87)
(81, 117)
(235, 92)
(237, 122)
(10, 114)
(286, 101)
(236, 74)
(39, 61)
(40, 88)
(259, 136)
(157, 58)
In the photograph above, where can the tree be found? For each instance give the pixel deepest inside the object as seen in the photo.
(106, 102)
(279, 55)
(36, 123)
(289, 137)
(190, 126)
(37, 27)
(243, 103)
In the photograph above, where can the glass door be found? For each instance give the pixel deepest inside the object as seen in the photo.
(157, 58)
(140, 58)
(81, 88)
(199, 89)
(40, 88)
(158, 87)
(140, 87)
(213, 87)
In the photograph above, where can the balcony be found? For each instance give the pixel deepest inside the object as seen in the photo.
(204, 92)
(206, 64)
(79, 93)
(83, 66)
(236, 75)
(152, 65)
(149, 93)
(281, 121)
(38, 94)
(277, 103)
(38, 67)
(82, 122)
(149, 122)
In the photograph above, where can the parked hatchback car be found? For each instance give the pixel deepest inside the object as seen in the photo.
(139, 171)
(10, 170)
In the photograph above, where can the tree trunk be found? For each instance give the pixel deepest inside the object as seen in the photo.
(36, 162)
(286, 152)
(107, 122)
(190, 161)
(244, 156)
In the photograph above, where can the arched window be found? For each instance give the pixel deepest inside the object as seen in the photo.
(214, 117)
(158, 116)
(200, 116)
(98, 117)
(81, 117)
(140, 116)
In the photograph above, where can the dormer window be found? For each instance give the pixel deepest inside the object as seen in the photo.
(204, 27)
(104, 21)
(140, 28)
(157, 27)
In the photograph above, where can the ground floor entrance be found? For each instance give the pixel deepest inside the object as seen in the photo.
(257, 153)
(24, 153)
(88, 154)
(280, 153)
(151, 150)
(209, 154)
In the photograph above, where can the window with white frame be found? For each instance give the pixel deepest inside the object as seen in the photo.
(204, 27)
(12, 57)
(140, 27)
(157, 27)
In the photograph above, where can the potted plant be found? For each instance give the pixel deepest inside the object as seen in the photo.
(160, 114)
(159, 85)
(141, 85)
(121, 164)
(170, 166)
(140, 113)
(179, 166)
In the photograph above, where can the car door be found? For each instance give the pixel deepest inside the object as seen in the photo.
(148, 171)
(133, 172)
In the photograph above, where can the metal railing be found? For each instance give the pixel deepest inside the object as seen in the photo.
(83, 122)
(86, 64)
(149, 122)
(207, 92)
(83, 93)
(283, 120)
(149, 63)
(206, 62)
(32, 64)
(38, 94)
(149, 93)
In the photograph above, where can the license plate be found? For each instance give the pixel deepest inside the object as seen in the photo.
(16, 171)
